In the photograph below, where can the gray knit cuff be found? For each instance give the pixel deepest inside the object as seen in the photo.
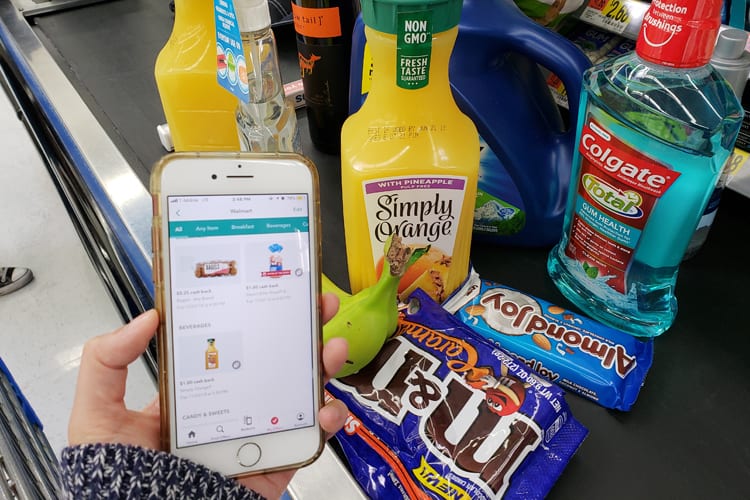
(130, 472)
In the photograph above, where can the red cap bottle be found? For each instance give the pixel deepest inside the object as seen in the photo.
(679, 33)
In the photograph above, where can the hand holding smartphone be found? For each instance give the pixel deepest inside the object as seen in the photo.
(237, 284)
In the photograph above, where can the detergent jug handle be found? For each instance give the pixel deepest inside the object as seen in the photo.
(560, 56)
(356, 91)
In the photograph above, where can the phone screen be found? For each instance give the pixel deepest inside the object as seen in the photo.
(241, 296)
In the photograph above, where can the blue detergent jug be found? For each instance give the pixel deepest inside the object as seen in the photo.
(526, 148)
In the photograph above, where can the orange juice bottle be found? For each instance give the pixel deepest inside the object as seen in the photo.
(409, 156)
(199, 111)
(212, 355)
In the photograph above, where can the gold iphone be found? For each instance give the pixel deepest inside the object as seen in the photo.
(236, 239)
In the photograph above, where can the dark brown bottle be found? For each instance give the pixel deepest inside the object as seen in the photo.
(324, 44)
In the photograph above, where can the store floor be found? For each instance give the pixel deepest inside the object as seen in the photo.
(44, 325)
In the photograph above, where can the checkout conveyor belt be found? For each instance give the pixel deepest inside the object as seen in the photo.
(83, 81)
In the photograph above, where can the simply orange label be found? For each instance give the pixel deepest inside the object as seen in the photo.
(317, 23)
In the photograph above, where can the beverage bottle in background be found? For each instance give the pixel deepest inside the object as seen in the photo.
(199, 112)
(733, 62)
(409, 156)
(268, 121)
(655, 128)
(324, 44)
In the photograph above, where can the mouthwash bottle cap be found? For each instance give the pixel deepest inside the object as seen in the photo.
(252, 15)
(679, 33)
(382, 15)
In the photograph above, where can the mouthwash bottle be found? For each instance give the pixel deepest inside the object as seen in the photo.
(656, 127)
(409, 156)
(266, 120)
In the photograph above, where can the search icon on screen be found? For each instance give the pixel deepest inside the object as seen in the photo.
(220, 428)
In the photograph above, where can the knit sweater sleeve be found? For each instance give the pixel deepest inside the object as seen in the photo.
(130, 472)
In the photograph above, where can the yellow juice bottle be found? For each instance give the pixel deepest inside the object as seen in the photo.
(212, 355)
(409, 156)
(200, 112)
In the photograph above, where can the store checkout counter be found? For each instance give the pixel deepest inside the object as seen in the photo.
(82, 79)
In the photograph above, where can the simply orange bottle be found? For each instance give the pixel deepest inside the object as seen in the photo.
(409, 156)
(199, 111)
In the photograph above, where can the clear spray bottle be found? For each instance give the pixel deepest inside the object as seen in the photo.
(268, 122)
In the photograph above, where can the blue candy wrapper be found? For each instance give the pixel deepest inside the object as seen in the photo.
(443, 413)
(582, 355)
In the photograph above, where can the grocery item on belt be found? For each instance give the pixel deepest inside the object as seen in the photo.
(576, 352)
(442, 413)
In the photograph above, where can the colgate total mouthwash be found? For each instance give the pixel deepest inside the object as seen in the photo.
(655, 129)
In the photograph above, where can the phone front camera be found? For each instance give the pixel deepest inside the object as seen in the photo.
(213, 176)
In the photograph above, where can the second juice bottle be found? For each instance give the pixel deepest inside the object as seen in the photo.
(409, 156)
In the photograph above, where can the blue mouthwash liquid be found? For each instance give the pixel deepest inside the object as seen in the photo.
(652, 141)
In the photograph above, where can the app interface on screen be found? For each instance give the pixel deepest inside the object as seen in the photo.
(241, 315)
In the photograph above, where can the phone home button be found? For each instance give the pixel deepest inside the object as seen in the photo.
(248, 454)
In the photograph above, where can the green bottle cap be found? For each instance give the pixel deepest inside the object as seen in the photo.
(382, 15)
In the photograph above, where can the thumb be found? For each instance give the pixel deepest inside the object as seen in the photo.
(104, 362)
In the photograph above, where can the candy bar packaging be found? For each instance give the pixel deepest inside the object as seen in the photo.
(578, 353)
(443, 413)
